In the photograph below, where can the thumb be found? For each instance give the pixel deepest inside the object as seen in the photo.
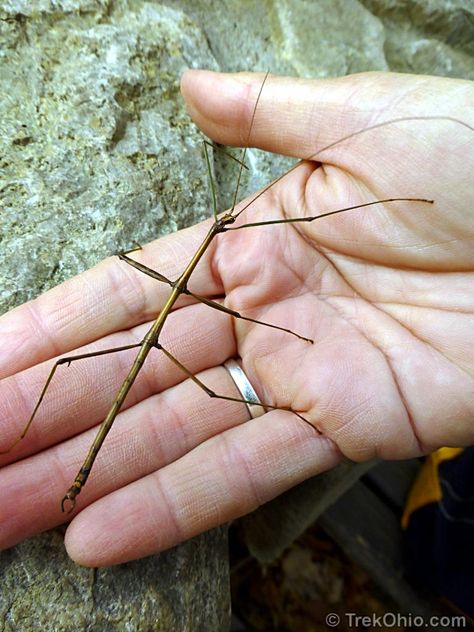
(298, 117)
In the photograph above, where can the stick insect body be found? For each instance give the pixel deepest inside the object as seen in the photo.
(222, 223)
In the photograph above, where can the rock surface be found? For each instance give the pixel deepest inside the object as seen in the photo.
(184, 589)
(96, 152)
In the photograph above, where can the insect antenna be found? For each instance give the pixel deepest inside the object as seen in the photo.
(348, 137)
(244, 151)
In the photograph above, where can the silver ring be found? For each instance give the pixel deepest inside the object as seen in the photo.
(245, 388)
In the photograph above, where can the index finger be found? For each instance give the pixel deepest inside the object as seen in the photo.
(107, 298)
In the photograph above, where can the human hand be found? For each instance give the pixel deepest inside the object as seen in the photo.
(385, 292)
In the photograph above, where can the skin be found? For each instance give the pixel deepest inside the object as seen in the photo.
(386, 292)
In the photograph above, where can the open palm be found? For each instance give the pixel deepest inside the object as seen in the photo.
(384, 291)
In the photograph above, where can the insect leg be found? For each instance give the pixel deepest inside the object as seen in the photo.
(220, 149)
(202, 299)
(211, 180)
(67, 361)
(213, 394)
(294, 220)
(142, 268)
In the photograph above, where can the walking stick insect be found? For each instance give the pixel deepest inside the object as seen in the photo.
(223, 222)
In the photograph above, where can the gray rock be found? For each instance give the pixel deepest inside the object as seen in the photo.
(185, 588)
(432, 37)
(96, 152)
(97, 149)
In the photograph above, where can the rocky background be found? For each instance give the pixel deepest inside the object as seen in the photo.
(97, 152)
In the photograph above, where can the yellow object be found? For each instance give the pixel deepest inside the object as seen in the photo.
(426, 488)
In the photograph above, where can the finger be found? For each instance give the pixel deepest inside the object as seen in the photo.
(223, 478)
(80, 395)
(109, 297)
(144, 438)
(298, 117)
